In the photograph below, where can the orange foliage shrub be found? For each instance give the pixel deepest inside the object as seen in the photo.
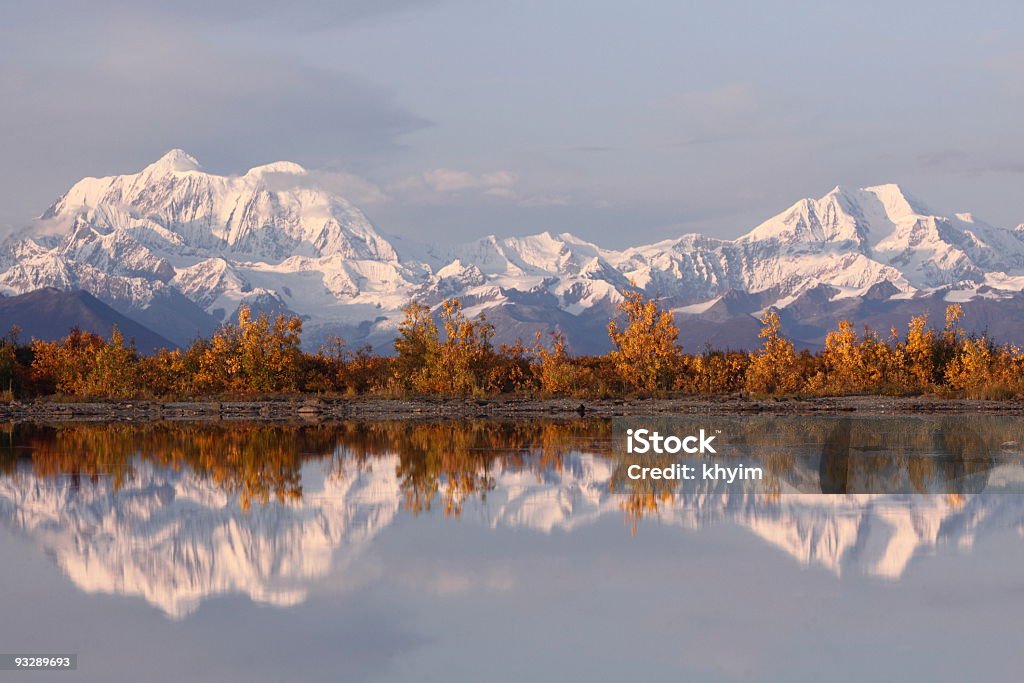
(83, 364)
(775, 369)
(254, 356)
(646, 354)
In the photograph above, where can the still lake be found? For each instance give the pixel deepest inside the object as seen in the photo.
(482, 551)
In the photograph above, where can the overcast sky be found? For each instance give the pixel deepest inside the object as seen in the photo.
(449, 119)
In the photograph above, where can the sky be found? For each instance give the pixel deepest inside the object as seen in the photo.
(446, 120)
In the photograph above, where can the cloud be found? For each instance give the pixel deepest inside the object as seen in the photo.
(355, 188)
(116, 100)
(172, 89)
(437, 187)
(445, 184)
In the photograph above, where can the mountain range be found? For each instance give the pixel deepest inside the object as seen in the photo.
(178, 250)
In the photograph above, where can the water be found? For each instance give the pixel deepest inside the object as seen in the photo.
(479, 551)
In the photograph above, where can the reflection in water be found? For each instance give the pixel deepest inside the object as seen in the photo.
(176, 513)
(919, 455)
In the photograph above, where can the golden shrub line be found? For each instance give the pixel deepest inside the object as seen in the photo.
(447, 353)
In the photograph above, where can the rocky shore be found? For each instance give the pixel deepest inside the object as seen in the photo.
(325, 409)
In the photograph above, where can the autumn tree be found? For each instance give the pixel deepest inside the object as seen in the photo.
(775, 368)
(714, 372)
(851, 363)
(842, 359)
(972, 368)
(165, 373)
(924, 354)
(646, 353)
(66, 364)
(465, 355)
(271, 358)
(254, 355)
(417, 343)
(981, 369)
(83, 364)
(919, 352)
(115, 369)
(949, 344)
(459, 364)
(555, 371)
(218, 361)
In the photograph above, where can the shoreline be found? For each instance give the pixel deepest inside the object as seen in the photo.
(330, 409)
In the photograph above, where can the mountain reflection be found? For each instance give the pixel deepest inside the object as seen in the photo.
(176, 512)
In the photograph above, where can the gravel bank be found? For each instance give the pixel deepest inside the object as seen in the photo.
(320, 409)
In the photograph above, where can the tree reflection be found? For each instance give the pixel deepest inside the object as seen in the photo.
(456, 461)
(444, 464)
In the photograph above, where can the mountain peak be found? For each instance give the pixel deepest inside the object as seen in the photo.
(809, 220)
(174, 161)
(896, 200)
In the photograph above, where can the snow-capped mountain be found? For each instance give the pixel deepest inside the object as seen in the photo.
(849, 240)
(175, 539)
(173, 243)
(264, 238)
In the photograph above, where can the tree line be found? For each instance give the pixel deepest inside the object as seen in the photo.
(447, 353)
